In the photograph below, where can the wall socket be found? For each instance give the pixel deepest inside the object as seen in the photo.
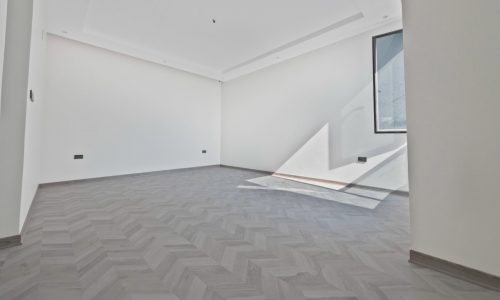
(78, 156)
(362, 159)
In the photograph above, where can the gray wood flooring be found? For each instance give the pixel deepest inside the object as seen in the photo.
(194, 234)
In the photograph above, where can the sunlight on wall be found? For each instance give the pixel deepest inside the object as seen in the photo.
(312, 161)
(312, 158)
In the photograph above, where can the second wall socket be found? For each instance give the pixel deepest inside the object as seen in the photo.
(362, 159)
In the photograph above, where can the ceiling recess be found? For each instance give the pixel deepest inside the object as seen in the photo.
(239, 45)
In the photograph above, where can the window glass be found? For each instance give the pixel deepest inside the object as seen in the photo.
(389, 83)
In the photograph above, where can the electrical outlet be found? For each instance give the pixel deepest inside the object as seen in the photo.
(78, 156)
(362, 159)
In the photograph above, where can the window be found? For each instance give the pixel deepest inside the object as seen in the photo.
(389, 83)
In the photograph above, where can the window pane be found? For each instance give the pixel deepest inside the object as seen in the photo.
(389, 82)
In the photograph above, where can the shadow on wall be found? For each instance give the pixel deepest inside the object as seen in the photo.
(331, 153)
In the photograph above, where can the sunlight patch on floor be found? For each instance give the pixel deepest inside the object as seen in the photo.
(281, 184)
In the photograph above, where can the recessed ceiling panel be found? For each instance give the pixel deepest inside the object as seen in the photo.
(186, 28)
(210, 37)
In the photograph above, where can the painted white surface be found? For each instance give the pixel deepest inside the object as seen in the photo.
(34, 110)
(3, 23)
(13, 114)
(125, 115)
(282, 184)
(247, 35)
(453, 104)
(312, 116)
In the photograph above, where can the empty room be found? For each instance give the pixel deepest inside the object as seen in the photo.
(249, 150)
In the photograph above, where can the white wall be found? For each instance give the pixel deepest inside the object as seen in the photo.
(13, 113)
(33, 132)
(3, 23)
(125, 115)
(453, 103)
(312, 116)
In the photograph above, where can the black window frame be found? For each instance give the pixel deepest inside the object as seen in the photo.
(374, 73)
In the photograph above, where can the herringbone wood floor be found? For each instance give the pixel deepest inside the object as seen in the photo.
(193, 234)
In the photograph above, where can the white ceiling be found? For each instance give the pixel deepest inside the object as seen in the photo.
(247, 35)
